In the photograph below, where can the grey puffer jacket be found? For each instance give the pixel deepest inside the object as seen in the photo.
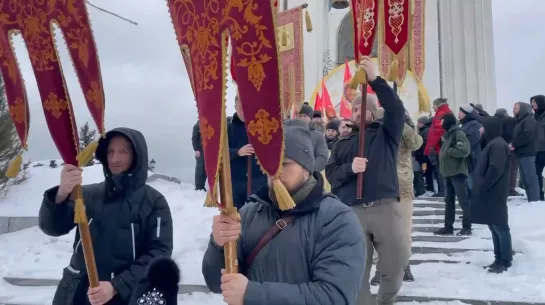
(317, 259)
(321, 152)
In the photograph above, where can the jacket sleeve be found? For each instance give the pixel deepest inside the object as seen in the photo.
(460, 148)
(434, 135)
(525, 134)
(321, 153)
(337, 172)
(497, 156)
(196, 138)
(214, 259)
(394, 111)
(411, 139)
(337, 271)
(55, 219)
(158, 244)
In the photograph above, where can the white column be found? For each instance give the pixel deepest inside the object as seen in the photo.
(467, 53)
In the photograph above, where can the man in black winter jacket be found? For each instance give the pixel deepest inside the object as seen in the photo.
(508, 126)
(379, 209)
(130, 222)
(538, 104)
(524, 145)
(200, 172)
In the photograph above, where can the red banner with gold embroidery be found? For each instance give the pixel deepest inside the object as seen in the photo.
(34, 19)
(201, 27)
(396, 24)
(365, 17)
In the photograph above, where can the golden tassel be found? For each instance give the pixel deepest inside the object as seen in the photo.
(209, 202)
(86, 155)
(308, 21)
(79, 212)
(423, 98)
(359, 78)
(283, 197)
(284, 40)
(392, 72)
(14, 166)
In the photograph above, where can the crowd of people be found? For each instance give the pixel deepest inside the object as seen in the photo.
(322, 250)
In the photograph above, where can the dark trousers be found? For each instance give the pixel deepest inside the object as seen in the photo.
(432, 172)
(501, 237)
(540, 165)
(200, 173)
(418, 184)
(528, 175)
(513, 167)
(456, 186)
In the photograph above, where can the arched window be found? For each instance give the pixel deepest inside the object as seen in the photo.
(345, 41)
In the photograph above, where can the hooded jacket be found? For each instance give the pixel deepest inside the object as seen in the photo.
(455, 149)
(540, 118)
(491, 177)
(129, 221)
(525, 132)
(471, 126)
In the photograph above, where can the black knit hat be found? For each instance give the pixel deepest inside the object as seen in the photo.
(160, 287)
(317, 114)
(333, 124)
(306, 110)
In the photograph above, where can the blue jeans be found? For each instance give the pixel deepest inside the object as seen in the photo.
(503, 251)
(527, 166)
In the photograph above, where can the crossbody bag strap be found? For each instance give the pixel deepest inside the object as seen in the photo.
(271, 233)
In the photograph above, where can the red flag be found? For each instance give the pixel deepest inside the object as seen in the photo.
(345, 111)
(318, 103)
(327, 103)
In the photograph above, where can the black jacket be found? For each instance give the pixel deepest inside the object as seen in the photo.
(508, 126)
(471, 125)
(130, 224)
(491, 177)
(382, 139)
(196, 138)
(540, 118)
(525, 133)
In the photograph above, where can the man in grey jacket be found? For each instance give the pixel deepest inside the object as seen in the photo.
(317, 257)
(321, 153)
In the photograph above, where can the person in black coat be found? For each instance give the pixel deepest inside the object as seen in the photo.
(490, 192)
(129, 221)
(200, 172)
(508, 126)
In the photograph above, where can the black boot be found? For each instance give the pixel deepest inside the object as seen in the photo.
(496, 262)
(498, 268)
(444, 231)
(375, 281)
(408, 276)
(464, 232)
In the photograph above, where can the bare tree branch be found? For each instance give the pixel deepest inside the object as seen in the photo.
(111, 13)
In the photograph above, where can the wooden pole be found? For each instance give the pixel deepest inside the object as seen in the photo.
(86, 241)
(226, 197)
(361, 149)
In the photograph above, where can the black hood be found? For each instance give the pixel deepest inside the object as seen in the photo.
(525, 110)
(449, 120)
(540, 101)
(139, 168)
(493, 127)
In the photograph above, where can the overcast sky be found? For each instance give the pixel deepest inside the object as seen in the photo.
(147, 86)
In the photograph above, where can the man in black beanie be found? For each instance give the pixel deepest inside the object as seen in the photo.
(321, 153)
(315, 253)
(332, 132)
(453, 166)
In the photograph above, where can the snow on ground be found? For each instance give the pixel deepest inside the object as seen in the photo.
(31, 254)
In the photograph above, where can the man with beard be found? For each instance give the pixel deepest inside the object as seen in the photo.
(524, 144)
(345, 128)
(453, 165)
(380, 209)
(332, 132)
(538, 104)
(318, 255)
(321, 153)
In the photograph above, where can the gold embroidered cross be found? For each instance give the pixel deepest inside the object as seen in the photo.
(55, 105)
(207, 132)
(18, 111)
(263, 126)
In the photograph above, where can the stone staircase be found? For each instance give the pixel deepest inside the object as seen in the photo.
(423, 221)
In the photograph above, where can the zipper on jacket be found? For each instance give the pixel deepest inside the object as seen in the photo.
(112, 276)
(158, 227)
(79, 241)
(133, 245)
